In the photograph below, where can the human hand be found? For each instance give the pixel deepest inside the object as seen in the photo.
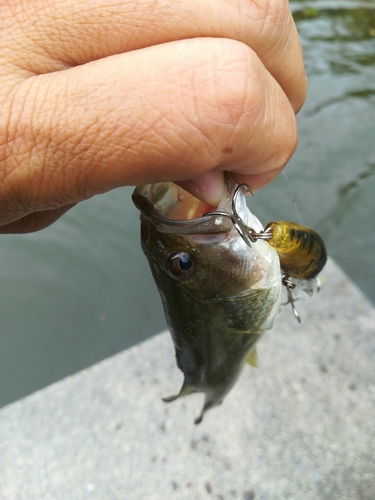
(96, 95)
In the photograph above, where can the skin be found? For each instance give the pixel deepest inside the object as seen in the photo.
(97, 94)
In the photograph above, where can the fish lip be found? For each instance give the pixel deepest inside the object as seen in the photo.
(207, 224)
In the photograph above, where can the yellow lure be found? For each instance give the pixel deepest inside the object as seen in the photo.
(301, 250)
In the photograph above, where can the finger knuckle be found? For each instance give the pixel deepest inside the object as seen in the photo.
(223, 85)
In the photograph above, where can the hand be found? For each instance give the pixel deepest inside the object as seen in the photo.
(96, 95)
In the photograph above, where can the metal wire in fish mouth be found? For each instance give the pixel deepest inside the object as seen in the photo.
(247, 233)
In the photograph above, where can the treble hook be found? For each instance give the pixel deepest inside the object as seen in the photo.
(247, 233)
(289, 285)
(243, 229)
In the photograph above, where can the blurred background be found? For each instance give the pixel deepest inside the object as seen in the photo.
(81, 290)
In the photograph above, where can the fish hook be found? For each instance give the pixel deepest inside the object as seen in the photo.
(247, 233)
(289, 285)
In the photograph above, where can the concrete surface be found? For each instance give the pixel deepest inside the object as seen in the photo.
(300, 427)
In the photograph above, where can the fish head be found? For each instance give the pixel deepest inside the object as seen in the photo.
(219, 294)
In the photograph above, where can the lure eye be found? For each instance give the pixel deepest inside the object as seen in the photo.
(181, 264)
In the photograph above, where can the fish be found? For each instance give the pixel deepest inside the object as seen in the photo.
(220, 294)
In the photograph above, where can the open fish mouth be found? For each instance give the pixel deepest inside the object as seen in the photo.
(219, 293)
(174, 210)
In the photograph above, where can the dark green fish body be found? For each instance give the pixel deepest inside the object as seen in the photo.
(219, 294)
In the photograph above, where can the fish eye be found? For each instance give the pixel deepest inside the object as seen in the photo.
(181, 264)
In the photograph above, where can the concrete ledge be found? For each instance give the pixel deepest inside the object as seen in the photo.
(300, 427)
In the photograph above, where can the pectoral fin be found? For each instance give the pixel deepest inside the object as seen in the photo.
(234, 315)
(252, 359)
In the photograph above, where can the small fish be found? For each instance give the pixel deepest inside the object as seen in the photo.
(219, 293)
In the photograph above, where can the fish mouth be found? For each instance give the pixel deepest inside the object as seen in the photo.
(173, 210)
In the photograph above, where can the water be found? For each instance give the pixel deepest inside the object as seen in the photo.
(81, 290)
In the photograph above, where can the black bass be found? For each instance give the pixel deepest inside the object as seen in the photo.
(219, 293)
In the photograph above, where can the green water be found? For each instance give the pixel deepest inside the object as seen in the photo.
(81, 290)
